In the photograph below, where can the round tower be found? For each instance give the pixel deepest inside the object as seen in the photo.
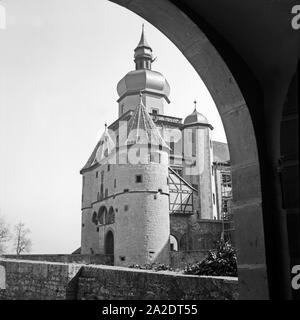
(198, 169)
(142, 225)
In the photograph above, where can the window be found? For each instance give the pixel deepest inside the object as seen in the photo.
(193, 137)
(102, 214)
(214, 199)
(138, 178)
(108, 167)
(115, 183)
(126, 207)
(212, 170)
(106, 193)
(96, 174)
(154, 111)
(172, 144)
(126, 190)
(111, 216)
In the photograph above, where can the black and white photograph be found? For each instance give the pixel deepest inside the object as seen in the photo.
(149, 152)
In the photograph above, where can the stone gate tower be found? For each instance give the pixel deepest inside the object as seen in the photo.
(125, 201)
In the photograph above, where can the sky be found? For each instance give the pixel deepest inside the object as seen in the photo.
(60, 63)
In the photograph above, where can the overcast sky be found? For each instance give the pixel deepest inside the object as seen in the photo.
(60, 62)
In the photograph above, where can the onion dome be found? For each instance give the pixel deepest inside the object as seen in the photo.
(195, 118)
(142, 129)
(143, 78)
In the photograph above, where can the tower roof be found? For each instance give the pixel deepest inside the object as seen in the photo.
(143, 42)
(103, 148)
(143, 53)
(195, 117)
(142, 129)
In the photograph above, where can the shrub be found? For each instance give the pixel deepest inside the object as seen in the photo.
(219, 262)
(152, 266)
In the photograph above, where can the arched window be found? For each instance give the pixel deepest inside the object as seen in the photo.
(95, 218)
(110, 218)
(102, 214)
(186, 243)
(173, 243)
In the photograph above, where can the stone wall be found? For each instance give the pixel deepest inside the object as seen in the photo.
(50, 280)
(194, 234)
(66, 258)
(179, 259)
(33, 280)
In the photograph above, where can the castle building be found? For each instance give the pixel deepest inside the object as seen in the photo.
(154, 184)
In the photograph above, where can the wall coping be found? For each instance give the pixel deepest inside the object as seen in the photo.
(125, 269)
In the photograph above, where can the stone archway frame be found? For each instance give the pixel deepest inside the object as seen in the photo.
(107, 231)
(247, 201)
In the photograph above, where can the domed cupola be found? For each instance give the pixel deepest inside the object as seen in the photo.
(196, 118)
(144, 80)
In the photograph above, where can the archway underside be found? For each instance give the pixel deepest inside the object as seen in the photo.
(247, 203)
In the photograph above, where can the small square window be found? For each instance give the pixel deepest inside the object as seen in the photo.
(138, 178)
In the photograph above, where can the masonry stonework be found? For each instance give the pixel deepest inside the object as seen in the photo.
(59, 281)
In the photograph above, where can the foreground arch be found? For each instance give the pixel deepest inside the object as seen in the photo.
(234, 112)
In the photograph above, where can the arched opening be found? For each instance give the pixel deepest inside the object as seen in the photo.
(235, 115)
(102, 213)
(110, 218)
(109, 243)
(173, 243)
(186, 243)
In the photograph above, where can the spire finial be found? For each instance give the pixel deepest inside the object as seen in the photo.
(195, 103)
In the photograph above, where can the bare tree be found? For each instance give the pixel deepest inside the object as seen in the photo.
(22, 242)
(4, 234)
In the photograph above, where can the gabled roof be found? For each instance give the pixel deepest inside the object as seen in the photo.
(142, 129)
(102, 149)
